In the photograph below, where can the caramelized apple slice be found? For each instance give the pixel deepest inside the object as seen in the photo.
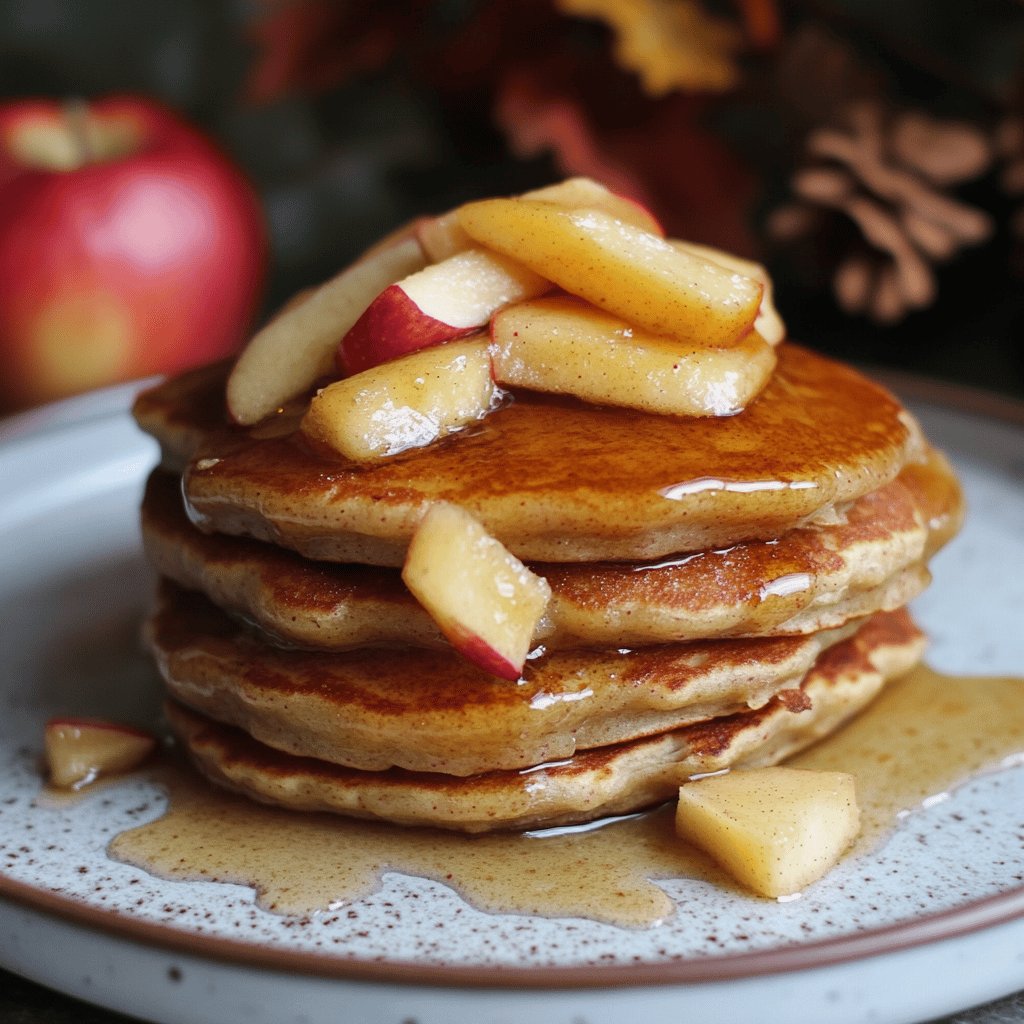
(623, 269)
(566, 346)
(585, 193)
(775, 830)
(80, 750)
(443, 301)
(769, 323)
(298, 346)
(405, 403)
(443, 236)
(484, 600)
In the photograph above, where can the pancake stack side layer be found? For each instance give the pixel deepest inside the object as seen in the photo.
(725, 590)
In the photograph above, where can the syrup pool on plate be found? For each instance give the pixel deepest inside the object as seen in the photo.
(924, 736)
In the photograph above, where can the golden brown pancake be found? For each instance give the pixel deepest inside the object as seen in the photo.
(554, 479)
(432, 710)
(608, 780)
(814, 577)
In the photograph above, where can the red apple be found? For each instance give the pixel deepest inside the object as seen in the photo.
(129, 245)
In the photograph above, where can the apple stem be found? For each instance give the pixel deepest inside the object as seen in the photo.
(76, 113)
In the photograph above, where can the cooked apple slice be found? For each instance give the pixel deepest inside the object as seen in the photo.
(405, 403)
(623, 269)
(566, 346)
(443, 236)
(484, 600)
(443, 301)
(80, 750)
(585, 193)
(775, 830)
(768, 323)
(297, 347)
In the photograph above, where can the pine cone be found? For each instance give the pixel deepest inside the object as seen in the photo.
(887, 176)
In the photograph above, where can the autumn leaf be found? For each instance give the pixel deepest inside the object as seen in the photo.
(668, 44)
(659, 153)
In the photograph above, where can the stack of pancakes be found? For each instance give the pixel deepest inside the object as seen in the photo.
(725, 591)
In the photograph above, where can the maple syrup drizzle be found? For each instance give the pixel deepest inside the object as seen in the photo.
(925, 735)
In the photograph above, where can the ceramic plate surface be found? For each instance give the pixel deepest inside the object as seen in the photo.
(931, 922)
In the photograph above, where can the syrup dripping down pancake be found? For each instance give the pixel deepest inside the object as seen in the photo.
(431, 710)
(814, 577)
(608, 780)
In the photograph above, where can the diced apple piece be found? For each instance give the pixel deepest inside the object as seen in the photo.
(769, 323)
(566, 346)
(80, 750)
(443, 301)
(406, 403)
(775, 830)
(485, 601)
(298, 346)
(623, 269)
(586, 193)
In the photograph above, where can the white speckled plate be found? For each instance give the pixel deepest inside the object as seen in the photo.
(932, 922)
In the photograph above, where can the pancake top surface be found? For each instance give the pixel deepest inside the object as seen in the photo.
(554, 479)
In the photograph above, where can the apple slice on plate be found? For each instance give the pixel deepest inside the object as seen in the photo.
(80, 750)
(405, 403)
(484, 600)
(623, 269)
(566, 346)
(443, 301)
(769, 323)
(775, 830)
(298, 346)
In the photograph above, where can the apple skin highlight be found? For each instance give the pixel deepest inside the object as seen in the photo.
(129, 245)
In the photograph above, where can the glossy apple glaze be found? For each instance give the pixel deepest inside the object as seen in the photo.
(924, 736)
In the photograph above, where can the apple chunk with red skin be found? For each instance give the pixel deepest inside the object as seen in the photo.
(620, 268)
(443, 301)
(298, 346)
(79, 750)
(129, 245)
(566, 346)
(484, 600)
(405, 403)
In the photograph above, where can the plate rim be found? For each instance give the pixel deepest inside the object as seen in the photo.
(961, 921)
(979, 915)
